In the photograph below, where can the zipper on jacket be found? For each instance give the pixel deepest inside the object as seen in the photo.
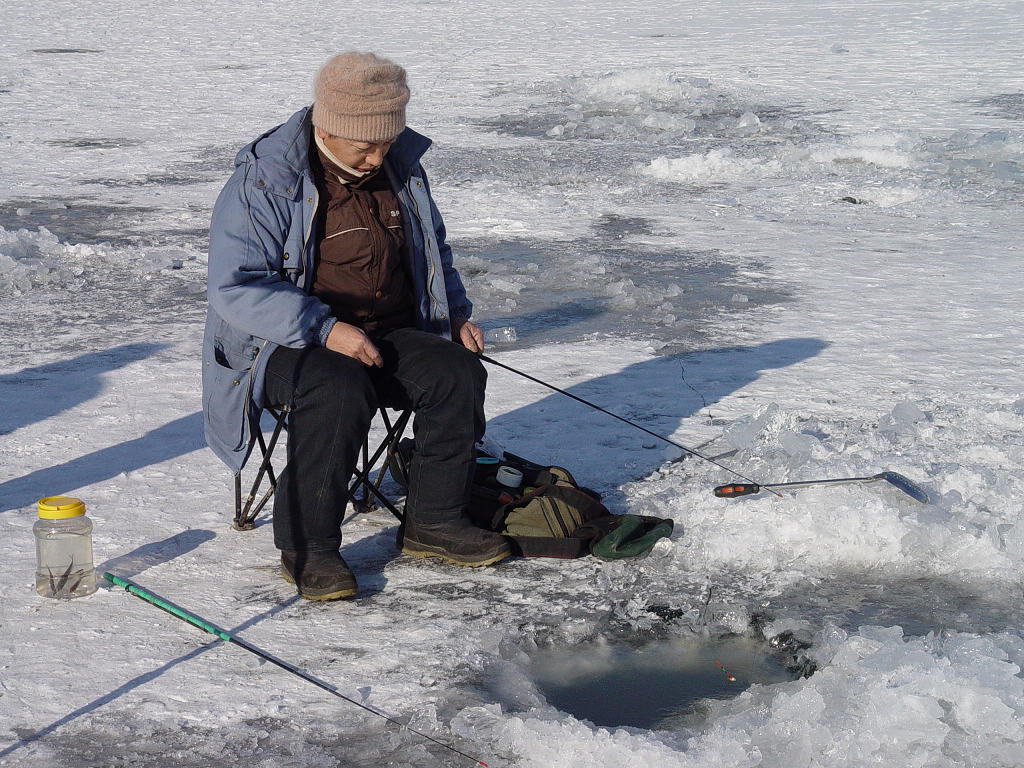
(378, 246)
(308, 268)
(248, 393)
(426, 247)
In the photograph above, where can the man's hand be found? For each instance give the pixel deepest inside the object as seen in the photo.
(351, 341)
(468, 335)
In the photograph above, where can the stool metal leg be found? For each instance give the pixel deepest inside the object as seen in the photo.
(247, 509)
(388, 446)
(245, 515)
(361, 501)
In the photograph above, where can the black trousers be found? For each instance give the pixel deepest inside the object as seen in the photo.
(333, 399)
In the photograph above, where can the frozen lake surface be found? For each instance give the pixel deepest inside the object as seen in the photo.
(787, 235)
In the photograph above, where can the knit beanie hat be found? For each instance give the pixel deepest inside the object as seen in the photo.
(360, 96)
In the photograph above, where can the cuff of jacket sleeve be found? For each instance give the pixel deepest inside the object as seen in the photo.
(325, 330)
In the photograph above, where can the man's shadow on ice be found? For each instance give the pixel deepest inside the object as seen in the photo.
(176, 438)
(658, 394)
(36, 394)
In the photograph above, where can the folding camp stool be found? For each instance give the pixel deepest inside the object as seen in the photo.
(246, 510)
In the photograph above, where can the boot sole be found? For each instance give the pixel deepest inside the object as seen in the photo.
(425, 551)
(337, 594)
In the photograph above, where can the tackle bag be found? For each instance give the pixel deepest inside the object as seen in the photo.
(547, 513)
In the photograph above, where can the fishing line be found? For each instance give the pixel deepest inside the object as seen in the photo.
(682, 375)
(206, 626)
(680, 446)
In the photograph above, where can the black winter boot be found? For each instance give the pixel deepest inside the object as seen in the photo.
(318, 575)
(458, 542)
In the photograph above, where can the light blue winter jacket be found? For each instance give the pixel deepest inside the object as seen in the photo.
(262, 256)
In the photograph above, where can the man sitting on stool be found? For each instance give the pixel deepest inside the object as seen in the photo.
(331, 289)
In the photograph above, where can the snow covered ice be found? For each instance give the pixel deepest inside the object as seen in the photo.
(788, 237)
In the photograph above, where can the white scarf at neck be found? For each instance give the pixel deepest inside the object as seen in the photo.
(357, 175)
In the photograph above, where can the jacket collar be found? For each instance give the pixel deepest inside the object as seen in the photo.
(291, 141)
(406, 152)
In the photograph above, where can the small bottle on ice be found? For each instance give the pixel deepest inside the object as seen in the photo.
(63, 534)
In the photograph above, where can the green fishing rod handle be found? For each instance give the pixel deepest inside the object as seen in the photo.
(174, 610)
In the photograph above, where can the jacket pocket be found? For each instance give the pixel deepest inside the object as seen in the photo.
(224, 394)
(236, 354)
(226, 371)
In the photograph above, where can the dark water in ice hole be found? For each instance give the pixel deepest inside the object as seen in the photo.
(657, 685)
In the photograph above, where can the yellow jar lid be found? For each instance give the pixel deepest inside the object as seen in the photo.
(60, 507)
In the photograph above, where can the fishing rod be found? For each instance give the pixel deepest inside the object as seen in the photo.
(680, 446)
(895, 479)
(905, 484)
(206, 626)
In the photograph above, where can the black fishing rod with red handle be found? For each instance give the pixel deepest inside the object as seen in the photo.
(749, 487)
(680, 446)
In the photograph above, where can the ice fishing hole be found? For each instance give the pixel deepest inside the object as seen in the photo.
(658, 685)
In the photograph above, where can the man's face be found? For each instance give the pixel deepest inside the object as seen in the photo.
(360, 155)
